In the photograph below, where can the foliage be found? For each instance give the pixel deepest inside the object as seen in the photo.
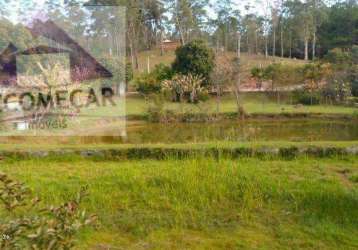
(162, 72)
(354, 71)
(195, 58)
(345, 69)
(54, 227)
(339, 56)
(279, 74)
(314, 74)
(129, 72)
(224, 73)
(157, 112)
(340, 87)
(305, 98)
(340, 29)
(354, 75)
(151, 83)
(147, 84)
(185, 87)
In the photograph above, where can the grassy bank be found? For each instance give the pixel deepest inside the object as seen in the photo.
(138, 106)
(205, 203)
(284, 150)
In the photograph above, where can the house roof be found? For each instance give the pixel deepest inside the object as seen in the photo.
(83, 66)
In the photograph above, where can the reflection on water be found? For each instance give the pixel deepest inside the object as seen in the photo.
(307, 130)
(246, 131)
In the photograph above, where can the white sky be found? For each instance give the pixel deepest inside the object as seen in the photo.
(257, 7)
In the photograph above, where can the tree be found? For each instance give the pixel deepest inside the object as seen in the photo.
(275, 19)
(318, 9)
(188, 17)
(339, 29)
(194, 58)
(226, 25)
(301, 16)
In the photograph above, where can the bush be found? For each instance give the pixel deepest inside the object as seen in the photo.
(162, 72)
(50, 228)
(354, 80)
(355, 54)
(305, 98)
(157, 112)
(147, 84)
(339, 57)
(195, 58)
(187, 87)
(151, 83)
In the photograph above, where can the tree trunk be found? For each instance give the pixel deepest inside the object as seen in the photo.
(236, 86)
(161, 43)
(238, 45)
(218, 98)
(274, 42)
(181, 32)
(256, 43)
(306, 48)
(148, 65)
(282, 45)
(248, 44)
(132, 53)
(291, 44)
(314, 45)
(266, 47)
(237, 92)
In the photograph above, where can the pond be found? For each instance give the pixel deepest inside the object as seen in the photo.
(233, 131)
(245, 131)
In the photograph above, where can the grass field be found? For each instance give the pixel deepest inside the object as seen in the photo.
(138, 106)
(204, 203)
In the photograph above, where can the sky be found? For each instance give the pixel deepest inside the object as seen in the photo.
(256, 7)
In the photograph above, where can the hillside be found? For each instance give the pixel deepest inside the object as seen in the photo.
(153, 57)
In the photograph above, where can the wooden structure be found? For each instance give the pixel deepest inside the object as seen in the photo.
(168, 45)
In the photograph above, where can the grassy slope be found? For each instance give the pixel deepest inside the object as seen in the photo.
(248, 61)
(205, 204)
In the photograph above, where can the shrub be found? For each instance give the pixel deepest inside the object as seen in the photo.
(354, 80)
(195, 58)
(185, 86)
(147, 84)
(305, 98)
(355, 54)
(162, 72)
(339, 57)
(50, 228)
(151, 83)
(339, 86)
(157, 112)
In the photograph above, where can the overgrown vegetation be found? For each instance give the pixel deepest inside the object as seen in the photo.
(26, 225)
(187, 79)
(221, 203)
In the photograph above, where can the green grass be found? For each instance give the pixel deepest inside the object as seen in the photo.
(138, 106)
(204, 203)
(58, 143)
